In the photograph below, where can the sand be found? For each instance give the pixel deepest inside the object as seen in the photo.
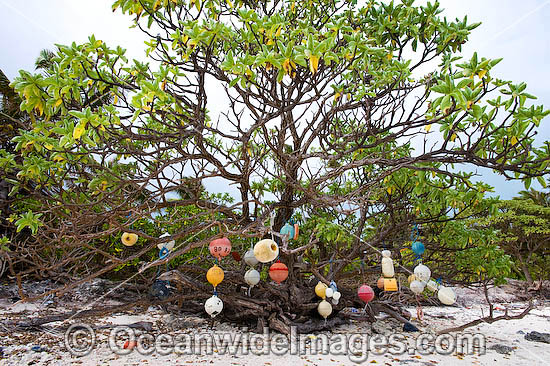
(17, 347)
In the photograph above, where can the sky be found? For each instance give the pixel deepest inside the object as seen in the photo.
(518, 31)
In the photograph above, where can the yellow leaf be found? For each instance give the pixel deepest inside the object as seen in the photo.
(482, 73)
(48, 146)
(289, 66)
(278, 33)
(514, 140)
(428, 127)
(40, 108)
(58, 102)
(336, 96)
(313, 63)
(389, 56)
(389, 190)
(292, 6)
(469, 104)
(453, 137)
(78, 131)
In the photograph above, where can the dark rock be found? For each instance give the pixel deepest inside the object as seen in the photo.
(502, 349)
(409, 327)
(38, 349)
(538, 337)
(160, 289)
(520, 332)
(148, 326)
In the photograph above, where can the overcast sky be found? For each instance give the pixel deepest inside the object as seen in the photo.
(518, 31)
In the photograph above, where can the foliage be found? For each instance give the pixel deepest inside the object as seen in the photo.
(316, 110)
(524, 233)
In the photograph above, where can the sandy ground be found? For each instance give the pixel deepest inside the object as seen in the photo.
(17, 347)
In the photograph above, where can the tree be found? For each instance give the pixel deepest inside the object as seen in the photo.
(315, 110)
(523, 226)
(538, 197)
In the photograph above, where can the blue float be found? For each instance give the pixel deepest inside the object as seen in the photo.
(418, 247)
(288, 229)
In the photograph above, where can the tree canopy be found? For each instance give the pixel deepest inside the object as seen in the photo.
(354, 119)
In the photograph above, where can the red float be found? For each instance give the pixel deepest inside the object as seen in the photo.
(296, 231)
(365, 293)
(220, 247)
(236, 256)
(278, 272)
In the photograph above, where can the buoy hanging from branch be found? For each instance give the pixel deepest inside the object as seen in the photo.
(213, 306)
(289, 230)
(388, 272)
(215, 275)
(320, 289)
(390, 284)
(332, 291)
(417, 287)
(417, 247)
(324, 309)
(129, 239)
(220, 247)
(249, 258)
(278, 272)
(446, 295)
(387, 264)
(168, 245)
(432, 285)
(365, 293)
(422, 273)
(236, 256)
(252, 277)
(266, 250)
